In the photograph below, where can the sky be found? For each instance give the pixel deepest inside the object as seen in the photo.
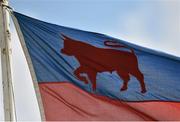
(152, 23)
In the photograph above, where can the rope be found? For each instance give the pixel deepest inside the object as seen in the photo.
(8, 7)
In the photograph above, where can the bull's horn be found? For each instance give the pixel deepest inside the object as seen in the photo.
(66, 37)
(63, 36)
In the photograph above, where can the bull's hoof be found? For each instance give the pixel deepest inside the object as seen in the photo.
(143, 91)
(123, 88)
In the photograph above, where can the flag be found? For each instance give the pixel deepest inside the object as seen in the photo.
(85, 75)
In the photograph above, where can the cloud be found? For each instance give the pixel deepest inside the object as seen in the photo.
(155, 25)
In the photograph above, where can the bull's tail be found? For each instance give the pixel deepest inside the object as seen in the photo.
(117, 45)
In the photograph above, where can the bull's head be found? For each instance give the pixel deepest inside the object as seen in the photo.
(67, 50)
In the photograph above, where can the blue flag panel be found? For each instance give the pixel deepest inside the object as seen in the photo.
(100, 64)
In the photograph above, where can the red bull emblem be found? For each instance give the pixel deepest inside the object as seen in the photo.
(95, 60)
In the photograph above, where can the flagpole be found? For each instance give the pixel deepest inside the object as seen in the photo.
(9, 114)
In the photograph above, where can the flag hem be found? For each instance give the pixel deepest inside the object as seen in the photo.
(31, 68)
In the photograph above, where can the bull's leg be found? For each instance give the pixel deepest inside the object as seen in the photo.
(77, 72)
(126, 78)
(140, 77)
(92, 78)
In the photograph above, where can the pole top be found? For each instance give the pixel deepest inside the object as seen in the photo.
(4, 1)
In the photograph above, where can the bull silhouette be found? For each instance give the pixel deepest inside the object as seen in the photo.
(95, 60)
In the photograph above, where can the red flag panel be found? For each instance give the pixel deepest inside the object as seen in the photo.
(64, 101)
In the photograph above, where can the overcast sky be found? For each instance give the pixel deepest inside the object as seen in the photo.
(152, 23)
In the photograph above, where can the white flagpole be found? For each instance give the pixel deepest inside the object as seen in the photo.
(8, 102)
